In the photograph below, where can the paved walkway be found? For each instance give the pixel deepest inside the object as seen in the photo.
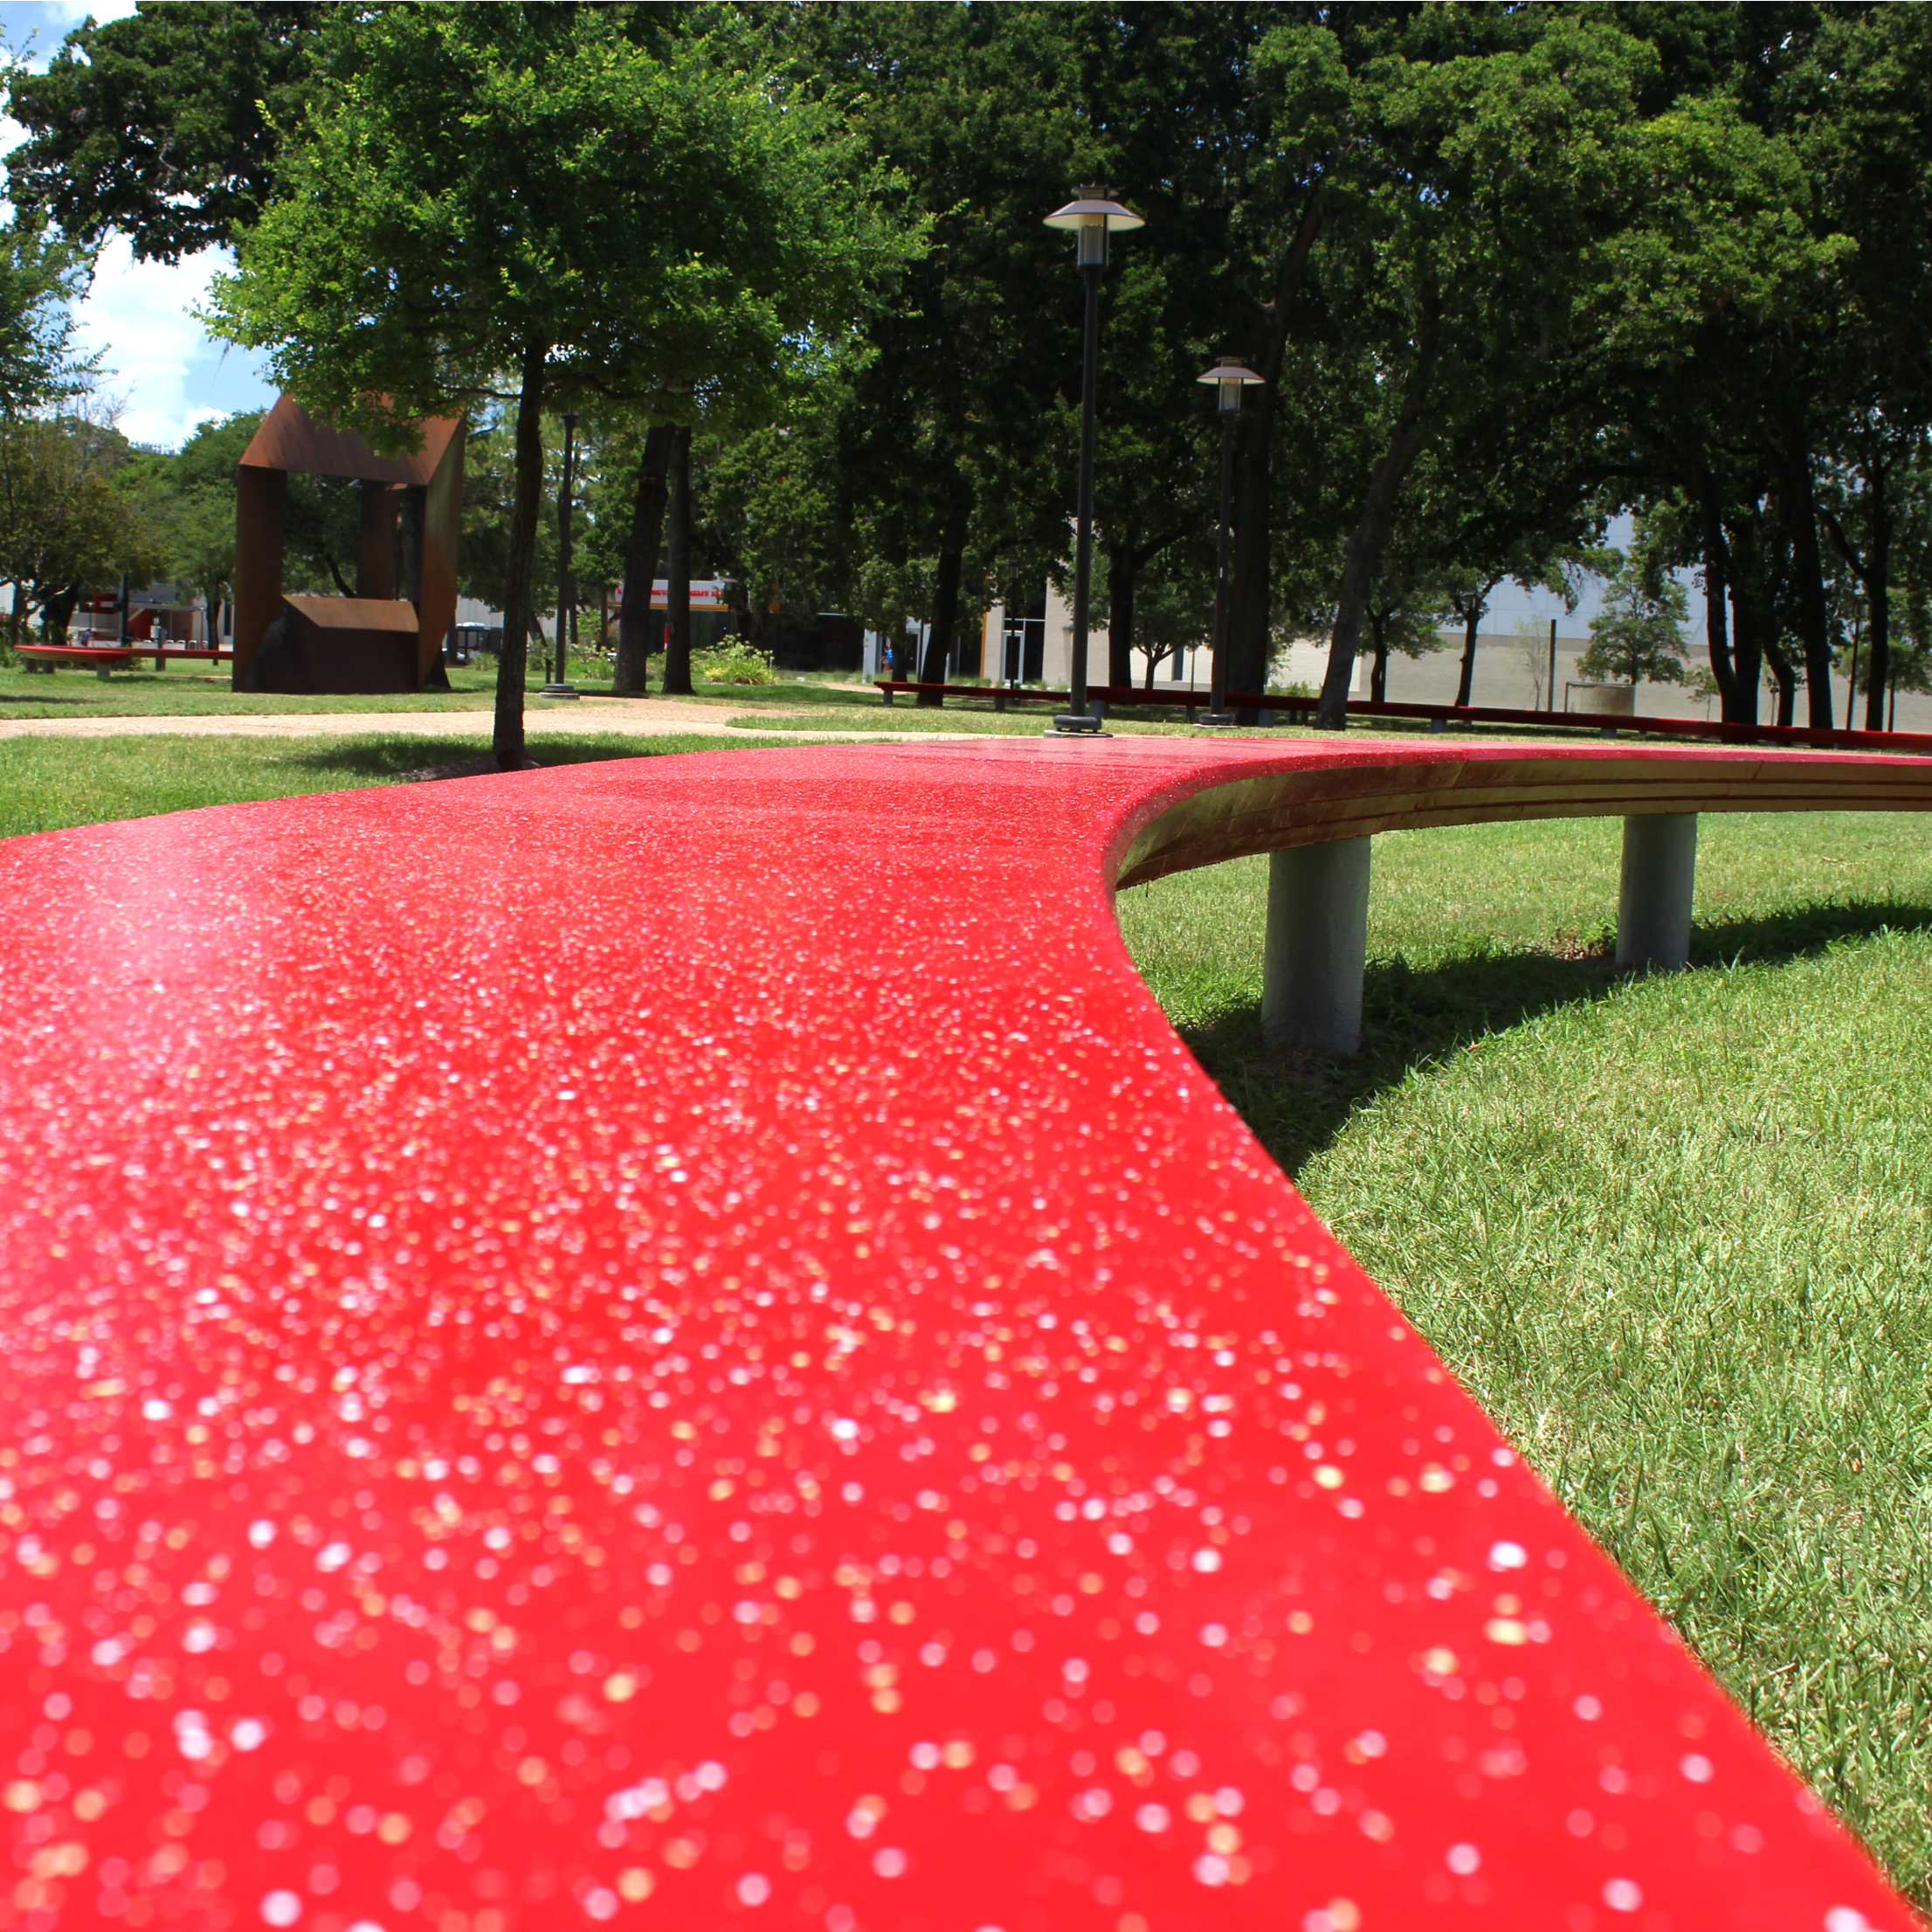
(654, 717)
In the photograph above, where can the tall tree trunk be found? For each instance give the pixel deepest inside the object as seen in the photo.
(1362, 553)
(1378, 671)
(939, 634)
(677, 590)
(1797, 510)
(1878, 596)
(518, 612)
(1750, 614)
(1786, 674)
(1249, 597)
(1123, 566)
(631, 675)
(1716, 590)
(1472, 618)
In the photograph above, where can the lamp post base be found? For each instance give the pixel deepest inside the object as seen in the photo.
(560, 691)
(1215, 720)
(1075, 724)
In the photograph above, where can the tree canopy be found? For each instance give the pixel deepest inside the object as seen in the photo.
(1510, 273)
(534, 203)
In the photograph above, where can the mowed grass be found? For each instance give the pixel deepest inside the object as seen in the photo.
(1674, 1232)
(46, 783)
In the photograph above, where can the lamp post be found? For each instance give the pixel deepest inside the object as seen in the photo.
(1230, 377)
(561, 686)
(1091, 217)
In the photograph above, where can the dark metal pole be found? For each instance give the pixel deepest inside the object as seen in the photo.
(565, 587)
(560, 685)
(1076, 718)
(1217, 690)
(1552, 705)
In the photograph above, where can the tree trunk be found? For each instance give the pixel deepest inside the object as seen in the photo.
(632, 676)
(1249, 596)
(1878, 594)
(1378, 671)
(1797, 510)
(1716, 589)
(677, 589)
(527, 504)
(1751, 618)
(57, 611)
(1123, 566)
(1472, 618)
(939, 634)
(1363, 552)
(1786, 674)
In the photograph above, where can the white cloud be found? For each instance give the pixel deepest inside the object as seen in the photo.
(157, 357)
(38, 27)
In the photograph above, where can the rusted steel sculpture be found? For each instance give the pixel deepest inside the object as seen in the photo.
(612, 1345)
(363, 643)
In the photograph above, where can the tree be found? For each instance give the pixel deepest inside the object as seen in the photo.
(1172, 608)
(64, 524)
(39, 278)
(951, 440)
(522, 204)
(1493, 164)
(164, 125)
(1639, 635)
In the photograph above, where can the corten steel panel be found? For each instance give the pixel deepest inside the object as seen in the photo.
(261, 502)
(606, 1345)
(342, 645)
(376, 544)
(290, 438)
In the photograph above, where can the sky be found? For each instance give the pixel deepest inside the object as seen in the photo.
(160, 364)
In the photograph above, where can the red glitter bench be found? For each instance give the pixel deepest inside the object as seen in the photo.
(608, 1345)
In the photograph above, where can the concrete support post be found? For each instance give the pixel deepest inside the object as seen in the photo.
(1317, 940)
(1653, 908)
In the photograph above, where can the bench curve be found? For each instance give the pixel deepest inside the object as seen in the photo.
(679, 1342)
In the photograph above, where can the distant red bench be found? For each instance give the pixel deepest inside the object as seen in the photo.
(102, 658)
(1097, 694)
(1438, 717)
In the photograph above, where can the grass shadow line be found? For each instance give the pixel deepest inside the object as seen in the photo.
(1297, 1103)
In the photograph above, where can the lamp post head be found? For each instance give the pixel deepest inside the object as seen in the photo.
(1091, 217)
(1230, 377)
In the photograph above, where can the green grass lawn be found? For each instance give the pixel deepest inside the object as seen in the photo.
(1674, 1232)
(194, 688)
(49, 782)
(813, 701)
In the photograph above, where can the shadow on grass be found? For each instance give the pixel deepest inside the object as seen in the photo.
(1297, 1103)
(378, 758)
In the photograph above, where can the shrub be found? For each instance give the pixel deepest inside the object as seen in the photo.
(733, 662)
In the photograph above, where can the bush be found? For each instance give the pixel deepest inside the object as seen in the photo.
(732, 662)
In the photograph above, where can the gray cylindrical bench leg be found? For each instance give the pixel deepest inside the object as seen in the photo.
(1317, 940)
(1653, 908)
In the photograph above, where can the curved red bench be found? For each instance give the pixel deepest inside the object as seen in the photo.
(680, 1343)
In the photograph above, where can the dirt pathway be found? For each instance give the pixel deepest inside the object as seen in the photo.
(654, 717)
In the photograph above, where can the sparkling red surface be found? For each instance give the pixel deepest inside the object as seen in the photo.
(679, 1343)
